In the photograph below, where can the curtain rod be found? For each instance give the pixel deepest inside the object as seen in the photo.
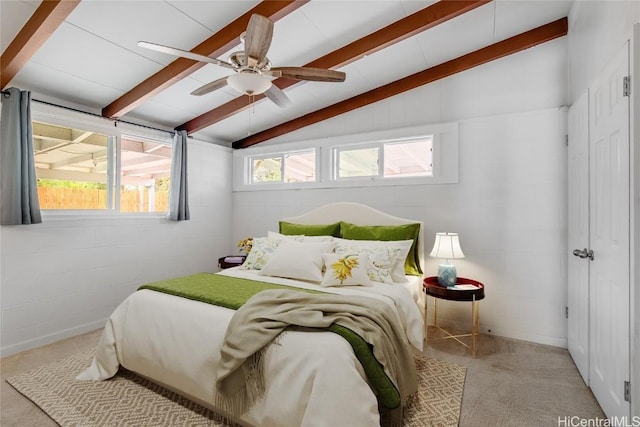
(115, 121)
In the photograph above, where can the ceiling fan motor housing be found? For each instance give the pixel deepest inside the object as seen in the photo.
(249, 82)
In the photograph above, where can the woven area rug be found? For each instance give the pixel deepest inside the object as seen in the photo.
(129, 400)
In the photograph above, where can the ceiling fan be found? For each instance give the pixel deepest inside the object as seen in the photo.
(253, 70)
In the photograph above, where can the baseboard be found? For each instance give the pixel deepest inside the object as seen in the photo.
(507, 333)
(51, 338)
(533, 338)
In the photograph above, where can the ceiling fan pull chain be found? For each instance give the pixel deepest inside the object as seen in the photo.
(251, 111)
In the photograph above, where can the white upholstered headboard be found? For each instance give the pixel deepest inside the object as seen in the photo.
(359, 214)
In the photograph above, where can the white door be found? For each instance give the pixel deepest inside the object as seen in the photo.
(578, 263)
(609, 237)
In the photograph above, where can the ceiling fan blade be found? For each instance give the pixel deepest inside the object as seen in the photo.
(257, 39)
(210, 87)
(183, 53)
(307, 73)
(277, 96)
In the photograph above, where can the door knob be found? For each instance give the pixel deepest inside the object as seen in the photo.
(584, 253)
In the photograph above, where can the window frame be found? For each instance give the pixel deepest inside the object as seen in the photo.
(399, 141)
(445, 153)
(247, 167)
(265, 157)
(336, 159)
(381, 157)
(50, 114)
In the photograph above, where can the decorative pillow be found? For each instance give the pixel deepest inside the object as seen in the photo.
(294, 260)
(284, 237)
(398, 274)
(381, 258)
(310, 229)
(347, 270)
(299, 238)
(388, 232)
(262, 249)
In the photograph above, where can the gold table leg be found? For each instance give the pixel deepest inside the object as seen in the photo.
(435, 312)
(475, 325)
(426, 320)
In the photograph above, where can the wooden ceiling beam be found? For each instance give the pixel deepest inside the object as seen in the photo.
(216, 45)
(409, 26)
(495, 51)
(49, 15)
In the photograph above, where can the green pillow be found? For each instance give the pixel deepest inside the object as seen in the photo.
(388, 233)
(310, 229)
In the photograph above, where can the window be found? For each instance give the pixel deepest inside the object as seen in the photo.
(285, 167)
(392, 159)
(356, 162)
(419, 155)
(81, 169)
(266, 169)
(145, 171)
(409, 158)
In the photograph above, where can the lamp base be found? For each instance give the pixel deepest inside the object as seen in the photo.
(447, 275)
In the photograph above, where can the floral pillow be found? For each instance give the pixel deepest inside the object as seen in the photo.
(347, 270)
(381, 259)
(400, 249)
(299, 237)
(262, 249)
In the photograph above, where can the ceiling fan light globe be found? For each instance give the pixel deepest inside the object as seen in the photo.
(249, 83)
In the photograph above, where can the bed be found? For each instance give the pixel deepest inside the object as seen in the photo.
(311, 376)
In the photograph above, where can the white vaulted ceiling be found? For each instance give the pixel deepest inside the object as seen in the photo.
(92, 58)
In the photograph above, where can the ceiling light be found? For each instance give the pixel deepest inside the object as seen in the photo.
(249, 83)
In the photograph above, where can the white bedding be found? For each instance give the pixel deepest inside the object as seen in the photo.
(312, 378)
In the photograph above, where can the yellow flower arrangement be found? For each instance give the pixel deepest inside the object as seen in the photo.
(246, 244)
(342, 268)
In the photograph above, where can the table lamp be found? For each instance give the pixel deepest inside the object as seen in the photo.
(447, 246)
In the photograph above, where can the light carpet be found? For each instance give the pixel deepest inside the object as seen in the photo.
(129, 400)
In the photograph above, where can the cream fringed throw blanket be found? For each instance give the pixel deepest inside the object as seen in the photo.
(264, 316)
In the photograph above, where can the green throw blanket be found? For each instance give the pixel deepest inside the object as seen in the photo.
(373, 350)
(216, 289)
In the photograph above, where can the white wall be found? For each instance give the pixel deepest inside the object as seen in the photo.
(509, 205)
(66, 275)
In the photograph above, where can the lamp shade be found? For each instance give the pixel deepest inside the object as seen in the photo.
(249, 83)
(447, 245)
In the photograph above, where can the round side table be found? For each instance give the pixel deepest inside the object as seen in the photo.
(464, 290)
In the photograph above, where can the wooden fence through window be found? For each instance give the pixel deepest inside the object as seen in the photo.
(87, 198)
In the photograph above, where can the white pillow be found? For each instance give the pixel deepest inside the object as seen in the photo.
(261, 251)
(379, 251)
(299, 237)
(295, 260)
(348, 270)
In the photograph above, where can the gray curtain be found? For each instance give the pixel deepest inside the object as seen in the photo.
(178, 193)
(18, 186)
